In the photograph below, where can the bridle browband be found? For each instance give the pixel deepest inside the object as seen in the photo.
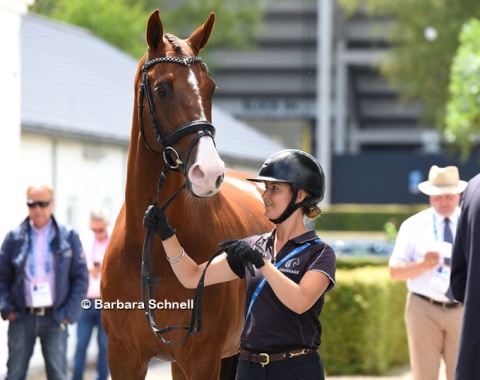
(166, 140)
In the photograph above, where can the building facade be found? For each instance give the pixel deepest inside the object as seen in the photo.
(278, 87)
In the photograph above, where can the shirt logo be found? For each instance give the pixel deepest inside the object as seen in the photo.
(289, 265)
(292, 263)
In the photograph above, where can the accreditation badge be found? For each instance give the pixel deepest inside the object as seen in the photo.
(41, 294)
(441, 278)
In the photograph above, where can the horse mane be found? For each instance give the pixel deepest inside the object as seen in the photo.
(174, 42)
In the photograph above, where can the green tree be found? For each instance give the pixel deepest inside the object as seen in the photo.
(463, 109)
(424, 39)
(123, 22)
(118, 22)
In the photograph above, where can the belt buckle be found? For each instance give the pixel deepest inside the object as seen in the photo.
(267, 357)
(40, 312)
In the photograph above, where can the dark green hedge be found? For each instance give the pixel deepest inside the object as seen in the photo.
(363, 217)
(361, 261)
(363, 323)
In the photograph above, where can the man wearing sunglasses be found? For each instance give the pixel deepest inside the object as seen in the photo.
(43, 279)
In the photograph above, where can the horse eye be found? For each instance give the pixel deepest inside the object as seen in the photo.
(160, 91)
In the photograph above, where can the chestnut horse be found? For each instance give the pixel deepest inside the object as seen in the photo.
(171, 126)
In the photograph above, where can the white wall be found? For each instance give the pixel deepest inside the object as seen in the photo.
(84, 175)
(10, 76)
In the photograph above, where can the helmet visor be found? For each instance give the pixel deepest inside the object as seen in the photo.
(261, 178)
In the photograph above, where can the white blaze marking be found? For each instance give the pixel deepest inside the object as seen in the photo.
(207, 159)
(192, 80)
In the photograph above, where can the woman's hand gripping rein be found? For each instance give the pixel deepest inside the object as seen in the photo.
(245, 253)
(156, 220)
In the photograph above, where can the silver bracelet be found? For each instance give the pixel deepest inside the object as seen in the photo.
(177, 258)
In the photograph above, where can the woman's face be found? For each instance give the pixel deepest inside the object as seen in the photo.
(276, 197)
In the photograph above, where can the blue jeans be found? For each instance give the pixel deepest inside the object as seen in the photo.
(89, 319)
(22, 335)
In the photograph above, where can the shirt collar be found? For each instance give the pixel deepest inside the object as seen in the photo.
(307, 236)
(43, 229)
(303, 238)
(453, 217)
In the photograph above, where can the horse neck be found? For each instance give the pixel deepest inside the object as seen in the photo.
(144, 168)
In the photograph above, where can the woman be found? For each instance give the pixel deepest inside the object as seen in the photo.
(293, 270)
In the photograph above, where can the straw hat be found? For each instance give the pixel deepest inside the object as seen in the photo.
(443, 181)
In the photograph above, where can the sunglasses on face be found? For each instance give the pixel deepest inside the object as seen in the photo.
(98, 230)
(42, 204)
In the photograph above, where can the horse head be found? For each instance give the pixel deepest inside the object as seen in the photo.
(175, 101)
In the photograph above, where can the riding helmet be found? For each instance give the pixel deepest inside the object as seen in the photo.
(297, 168)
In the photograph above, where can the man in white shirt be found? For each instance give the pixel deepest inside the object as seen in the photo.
(422, 256)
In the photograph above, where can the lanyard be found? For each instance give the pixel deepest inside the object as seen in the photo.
(260, 286)
(32, 259)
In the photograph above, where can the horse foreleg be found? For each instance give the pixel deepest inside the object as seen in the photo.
(200, 368)
(125, 362)
(177, 372)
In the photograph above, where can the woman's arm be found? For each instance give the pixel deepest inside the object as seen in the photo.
(297, 297)
(189, 272)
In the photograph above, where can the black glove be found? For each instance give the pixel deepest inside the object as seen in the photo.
(156, 220)
(241, 250)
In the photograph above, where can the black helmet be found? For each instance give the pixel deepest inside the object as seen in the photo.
(297, 168)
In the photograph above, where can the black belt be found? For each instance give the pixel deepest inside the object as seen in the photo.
(448, 305)
(39, 311)
(264, 359)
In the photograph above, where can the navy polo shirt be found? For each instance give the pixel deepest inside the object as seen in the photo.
(272, 327)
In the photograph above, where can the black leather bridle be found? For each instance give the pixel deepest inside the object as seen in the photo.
(166, 140)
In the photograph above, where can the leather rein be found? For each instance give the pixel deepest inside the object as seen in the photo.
(166, 140)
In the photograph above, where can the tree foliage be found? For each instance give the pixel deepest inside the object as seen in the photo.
(123, 22)
(424, 40)
(463, 109)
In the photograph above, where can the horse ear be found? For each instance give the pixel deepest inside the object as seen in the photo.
(154, 34)
(199, 37)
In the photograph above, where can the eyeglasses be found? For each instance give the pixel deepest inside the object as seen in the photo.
(98, 230)
(42, 204)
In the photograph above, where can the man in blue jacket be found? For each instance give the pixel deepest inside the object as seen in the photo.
(43, 279)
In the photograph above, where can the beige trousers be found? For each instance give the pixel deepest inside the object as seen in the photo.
(433, 333)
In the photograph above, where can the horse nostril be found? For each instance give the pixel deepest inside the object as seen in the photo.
(196, 173)
(219, 181)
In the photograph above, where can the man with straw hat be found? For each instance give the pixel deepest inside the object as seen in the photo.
(422, 256)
